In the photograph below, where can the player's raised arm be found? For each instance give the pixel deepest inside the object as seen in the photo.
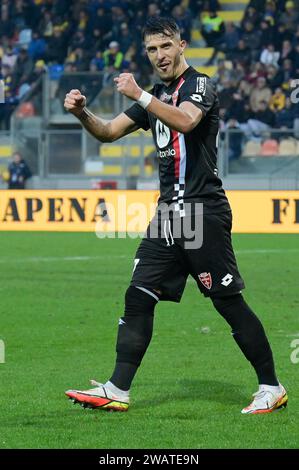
(183, 118)
(102, 129)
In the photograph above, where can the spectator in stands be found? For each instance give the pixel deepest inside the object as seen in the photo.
(137, 23)
(264, 114)
(45, 27)
(213, 29)
(224, 72)
(80, 58)
(225, 95)
(274, 77)
(269, 56)
(237, 73)
(80, 40)
(296, 61)
(96, 42)
(113, 57)
(239, 109)
(9, 57)
(37, 47)
(241, 54)
(103, 22)
(37, 72)
(97, 63)
(153, 10)
(260, 121)
(295, 37)
(281, 34)
(231, 38)
(11, 100)
(183, 18)
(251, 38)
(244, 90)
(83, 21)
(57, 46)
(196, 7)
(270, 13)
(277, 101)
(118, 18)
(287, 73)
(287, 52)
(290, 17)
(267, 34)
(259, 95)
(6, 24)
(285, 117)
(125, 38)
(251, 14)
(235, 139)
(256, 70)
(22, 69)
(19, 172)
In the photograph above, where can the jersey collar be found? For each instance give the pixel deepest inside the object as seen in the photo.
(174, 84)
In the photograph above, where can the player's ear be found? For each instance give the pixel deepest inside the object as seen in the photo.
(183, 45)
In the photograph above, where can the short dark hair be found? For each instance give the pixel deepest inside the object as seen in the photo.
(160, 25)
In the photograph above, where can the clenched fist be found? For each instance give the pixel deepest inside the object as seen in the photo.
(74, 102)
(126, 85)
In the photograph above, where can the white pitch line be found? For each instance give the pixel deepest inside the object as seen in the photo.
(49, 259)
(266, 251)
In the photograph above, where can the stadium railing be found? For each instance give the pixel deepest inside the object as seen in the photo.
(267, 160)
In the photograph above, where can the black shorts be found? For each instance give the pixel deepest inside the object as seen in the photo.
(164, 262)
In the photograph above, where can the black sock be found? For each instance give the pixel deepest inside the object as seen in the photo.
(123, 375)
(249, 334)
(134, 335)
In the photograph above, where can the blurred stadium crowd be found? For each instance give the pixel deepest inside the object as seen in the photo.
(257, 59)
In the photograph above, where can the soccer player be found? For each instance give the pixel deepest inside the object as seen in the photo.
(182, 113)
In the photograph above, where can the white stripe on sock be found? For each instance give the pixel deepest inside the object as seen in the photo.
(148, 292)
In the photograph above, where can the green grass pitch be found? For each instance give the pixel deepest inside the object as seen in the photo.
(61, 297)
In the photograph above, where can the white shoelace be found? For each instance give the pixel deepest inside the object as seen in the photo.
(95, 383)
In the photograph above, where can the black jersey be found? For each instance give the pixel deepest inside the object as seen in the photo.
(187, 162)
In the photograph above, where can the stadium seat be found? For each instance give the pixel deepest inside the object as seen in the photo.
(119, 151)
(5, 151)
(269, 147)
(196, 35)
(199, 52)
(209, 70)
(288, 147)
(252, 149)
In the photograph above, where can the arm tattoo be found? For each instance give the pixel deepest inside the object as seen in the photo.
(98, 127)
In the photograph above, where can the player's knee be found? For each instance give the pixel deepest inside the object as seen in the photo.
(138, 302)
(225, 303)
(237, 313)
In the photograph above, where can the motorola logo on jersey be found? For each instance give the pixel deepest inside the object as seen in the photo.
(162, 134)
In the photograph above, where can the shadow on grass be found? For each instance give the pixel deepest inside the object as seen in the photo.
(198, 390)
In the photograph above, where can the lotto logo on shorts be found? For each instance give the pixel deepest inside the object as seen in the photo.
(226, 280)
(206, 280)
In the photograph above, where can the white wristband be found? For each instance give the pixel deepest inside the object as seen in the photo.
(145, 99)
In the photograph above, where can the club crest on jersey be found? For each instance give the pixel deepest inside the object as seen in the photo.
(206, 280)
(165, 97)
(162, 134)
